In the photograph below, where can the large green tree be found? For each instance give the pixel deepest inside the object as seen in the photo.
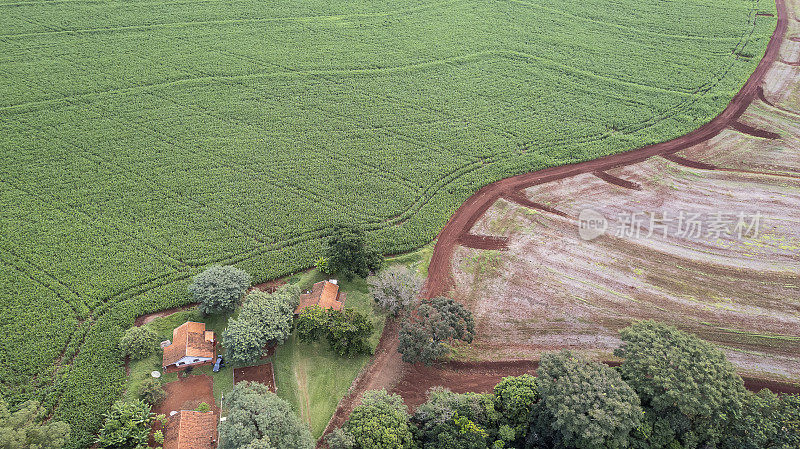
(26, 429)
(380, 422)
(259, 419)
(583, 405)
(434, 324)
(138, 342)
(263, 318)
(348, 254)
(347, 331)
(514, 399)
(689, 390)
(126, 426)
(395, 290)
(768, 421)
(453, 421)
(219, 288)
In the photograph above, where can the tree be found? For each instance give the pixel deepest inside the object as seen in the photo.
(453, 421)
(395, 290)
(150, 391)
(686, 385)
(514, 399)
(263, 318)
(219, 288)
(26, 428)
(380, 422)
(340, 439)
(348, 332)
(768, 421)
(584, 404)
(431, 327)
(258, 419)
(127, 425)
(138, 343)
(348, 254)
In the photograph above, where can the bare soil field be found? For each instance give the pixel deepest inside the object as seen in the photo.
(262, 374)
(187, 394)
(546, 288)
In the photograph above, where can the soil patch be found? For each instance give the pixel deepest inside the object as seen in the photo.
(483, 241)
(263, 374)
(753, 131)
(187, 394)
(146, 319)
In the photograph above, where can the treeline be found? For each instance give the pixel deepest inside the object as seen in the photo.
(672, 391)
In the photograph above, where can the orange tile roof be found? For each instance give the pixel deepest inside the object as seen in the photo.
(324, 294)
(190, 339)
(191, 430)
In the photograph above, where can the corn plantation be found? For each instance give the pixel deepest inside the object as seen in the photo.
(143, 140)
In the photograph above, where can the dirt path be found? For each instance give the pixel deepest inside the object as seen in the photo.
(440, 279)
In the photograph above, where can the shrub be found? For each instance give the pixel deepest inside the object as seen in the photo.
(426, 334)
(138, 343)
(127, 426)
(203, 407)
(151, 392)
(218, 289)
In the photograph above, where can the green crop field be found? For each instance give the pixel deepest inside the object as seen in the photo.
(143, 140)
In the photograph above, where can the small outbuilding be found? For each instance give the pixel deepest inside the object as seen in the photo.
(189, 429)
(325, 294)
(192, 345)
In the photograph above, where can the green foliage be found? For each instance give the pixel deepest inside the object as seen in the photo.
(263, 318)
(138, 343)
(584, 404)
(203, 407)
(25, 429)
(346, 331)
(98, 229)
(435, 323)
(448, 420)
(218, 289)
(380, 422)
(395, 289)
(687, 386)
(257, 418)
(767, 421)
(151, 392)
(127, 426)
(322, 265)
(348, 255)
(514, 399)
(158, 436)
(340, 439)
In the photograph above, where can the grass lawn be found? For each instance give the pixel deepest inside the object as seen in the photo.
(311, 377)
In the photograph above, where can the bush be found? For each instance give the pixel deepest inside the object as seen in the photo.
(347, 331)
(138, 343)
(203, 407)
(435, 323)
(151, 392)
(218, 289)
(127, 426)
(26, 428)
(395, 290)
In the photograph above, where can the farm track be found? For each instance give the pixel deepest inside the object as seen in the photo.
(416, 380)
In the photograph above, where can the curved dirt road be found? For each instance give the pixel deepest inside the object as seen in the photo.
(440, 278)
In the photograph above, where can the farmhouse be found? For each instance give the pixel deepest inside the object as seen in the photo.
(325, 294)
(191, 430)
(192, 345)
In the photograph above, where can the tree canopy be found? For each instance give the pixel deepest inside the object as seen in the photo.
(514, 399)
(263, 318)
(395, 289)
(259, 419)
(434, 324)
(26, 429)
(686, 385)
(138, 342)
(219, 288)
(380, 422)
(454, 421)
(348, 254)
(584, 404)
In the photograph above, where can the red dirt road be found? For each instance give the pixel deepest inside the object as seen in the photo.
(440, 279)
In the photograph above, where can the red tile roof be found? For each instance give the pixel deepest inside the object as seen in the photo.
(191, 430)
(190, 339)
(324, 294)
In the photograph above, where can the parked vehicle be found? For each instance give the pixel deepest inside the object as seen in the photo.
(220, 363)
